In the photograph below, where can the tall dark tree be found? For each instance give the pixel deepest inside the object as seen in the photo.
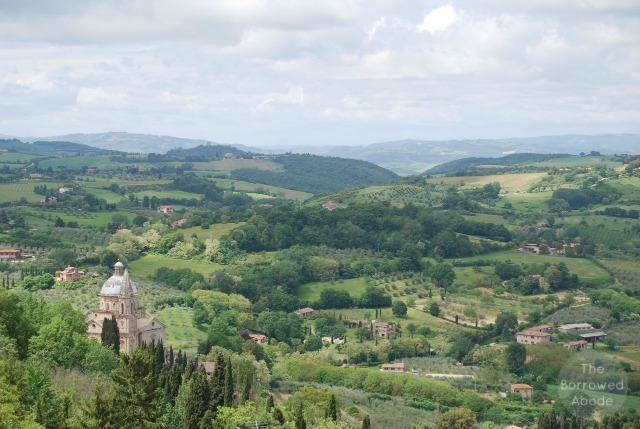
(134, 398)
(516, 356)
(278, 415)
(300, 422)
(332, 410)
(366, 423)
(199, 400)
(228, 384)
(110, 335)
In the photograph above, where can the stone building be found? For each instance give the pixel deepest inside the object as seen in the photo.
(119, 298)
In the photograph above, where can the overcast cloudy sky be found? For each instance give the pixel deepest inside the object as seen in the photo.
(277, 72)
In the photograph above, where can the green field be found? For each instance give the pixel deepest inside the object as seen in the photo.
(234, 164)
(12, 157)
(77, 162)
(584, 268)
(311, 291)
(148, 264)
(525, 202)
(98, 219)
(576, 161)
(16, 190)
(91, 181)
(110, 197)
(181, 334)
(509, 182)
(238, 185)
(168, 194)
(216, 230)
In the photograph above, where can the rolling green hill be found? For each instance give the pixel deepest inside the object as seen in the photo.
(318, 174)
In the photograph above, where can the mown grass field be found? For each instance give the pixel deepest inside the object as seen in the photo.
(577, 161)
(12, 157)
(311, 291)
(527, 201)
(148, 264)
(91, 181)
(76, 162)
(235, 164)
(168, 194)
(16, 190)
(108, 196)
(215, 231)
(509, 182)
(584, 268)
(98, 219)
(181, 334)
(239, 185)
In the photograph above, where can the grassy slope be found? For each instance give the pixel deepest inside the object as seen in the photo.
(585, 268)
(16, 190)
(148, 264)
(509, 182)
(181, 334)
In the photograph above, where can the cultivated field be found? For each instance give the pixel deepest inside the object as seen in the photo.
(235, 164)
(181, 334)
(509, 182)
(24, 189)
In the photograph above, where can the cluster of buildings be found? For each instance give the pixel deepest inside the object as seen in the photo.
(541, 334)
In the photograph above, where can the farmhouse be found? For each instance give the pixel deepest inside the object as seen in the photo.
(119, 299)
(574, 327)
(10, 254)
(330, 206)
(392, 367)
(258, 338)
(305, 312)
(36, 176)
(69, 274)
(523, 390)
(533, 337)
(165, 209)
(383, 329)
(530, 248)
(64, 190)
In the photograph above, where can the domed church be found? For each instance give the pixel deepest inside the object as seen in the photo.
(119, 298)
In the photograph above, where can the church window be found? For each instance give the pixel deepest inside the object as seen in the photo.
(107, 305)
(122, 307)
(93, 325)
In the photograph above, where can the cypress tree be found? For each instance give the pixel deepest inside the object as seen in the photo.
(217, 382)
(366, 423)
(332, 411)
(278, 416)
(158, 361)
(270, 403)
(198, 401)
(228, 385)
(300, 423)
(110, 334)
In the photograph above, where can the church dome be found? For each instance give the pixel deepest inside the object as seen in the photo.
(118, 282)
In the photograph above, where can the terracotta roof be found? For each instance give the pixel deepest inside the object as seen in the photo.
(521, 386)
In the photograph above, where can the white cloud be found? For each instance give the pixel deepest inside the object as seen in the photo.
(438, 20)
(222, 70)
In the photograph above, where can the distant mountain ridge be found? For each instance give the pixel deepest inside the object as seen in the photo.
(405, 157)
(142, 143)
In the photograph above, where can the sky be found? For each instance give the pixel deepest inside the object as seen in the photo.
(276, 73)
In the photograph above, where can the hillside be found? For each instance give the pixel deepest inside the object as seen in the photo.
(53, 148)
(208, 152)
(317, 174)
(507, 161)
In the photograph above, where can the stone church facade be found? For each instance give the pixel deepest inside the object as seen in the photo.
(119, 298)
